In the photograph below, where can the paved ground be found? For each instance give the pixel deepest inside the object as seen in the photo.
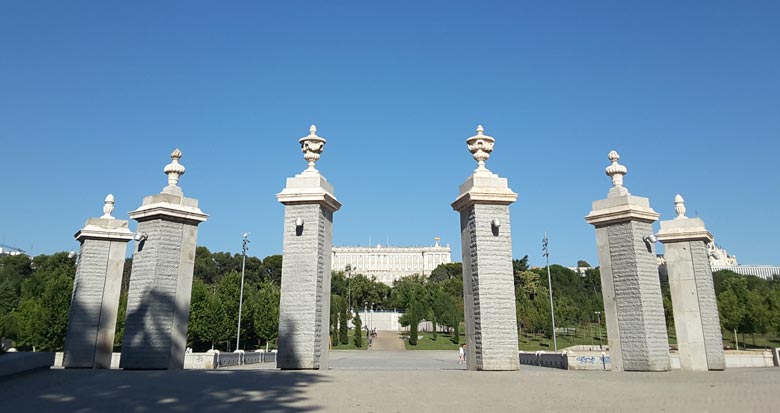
(361, 381)
(387, 341)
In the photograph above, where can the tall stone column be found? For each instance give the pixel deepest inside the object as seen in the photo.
(633, 306)
(488, 286)
(304, 308)
(694, 303)
(158, 302)
(95, 301)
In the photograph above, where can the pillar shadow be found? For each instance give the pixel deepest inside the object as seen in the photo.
(162, 391)
(146, 343)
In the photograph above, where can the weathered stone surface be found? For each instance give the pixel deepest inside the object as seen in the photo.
(695, 307)
(92, 321)
(640, 316)
(159, 296)
(633, 306)
(304, 308)
(488, 284)
(491, 320)
(304, 313)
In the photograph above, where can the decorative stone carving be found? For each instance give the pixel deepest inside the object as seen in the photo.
(89, 340)
(694, 302)
(312, 146)
(480, 146)
(679, 207)
(304, 305)
(633, 304)
(108, 207)
(160, 289)
(489, 299)
(616, 171)
(174, 170)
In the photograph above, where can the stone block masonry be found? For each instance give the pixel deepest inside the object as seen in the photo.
(304, 323)
(304, 308)
(159, 296)
(489, 288)
(158, 301)
(488, 285)
(696, 319)
(639, 304)
(89, 339)
(633, 305)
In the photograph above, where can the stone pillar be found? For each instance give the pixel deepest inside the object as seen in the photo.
(158, 303)
(488, 285)
(95, 301)
(304, 308)
(694, 303)
(630, 284)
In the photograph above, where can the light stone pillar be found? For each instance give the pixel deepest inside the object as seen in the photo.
(158, 302)
(694, 303)
(488, 285)
(95, 301)
(304, 308)
(630, 285)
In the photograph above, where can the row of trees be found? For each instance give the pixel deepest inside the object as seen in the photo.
(747, 305)
(35, 298)
(215, 299)
(576, 296)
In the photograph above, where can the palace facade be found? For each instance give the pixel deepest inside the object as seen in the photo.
(388, 264)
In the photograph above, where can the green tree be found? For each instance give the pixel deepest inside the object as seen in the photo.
(582, 263)
(446, 271)
(272, 269)
(8, 325)
(415, 311)
(120, 319)
(519, 265)
(45, 302)
(335, 314)
(205, 266)
(358, 323)
(409, 294)
(266, 314)
(344, 323)
(731, 311)
(758, 313)
(31, 323)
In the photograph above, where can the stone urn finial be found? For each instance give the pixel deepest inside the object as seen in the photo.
(480, 146)
(312, 146)
(174, 170)
(616, 171)
(108, 207)
(679, 207)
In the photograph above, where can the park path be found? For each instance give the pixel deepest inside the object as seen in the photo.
(387, 341)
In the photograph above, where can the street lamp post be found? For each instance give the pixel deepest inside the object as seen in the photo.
(598, 314)
(244, 248)
(545, 242)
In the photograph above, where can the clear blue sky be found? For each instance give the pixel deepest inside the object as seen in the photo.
(95, 95)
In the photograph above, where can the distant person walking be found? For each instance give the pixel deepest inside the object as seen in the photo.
(462, 354)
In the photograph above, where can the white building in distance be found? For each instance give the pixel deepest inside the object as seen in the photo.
(721, 260)
(388, 264)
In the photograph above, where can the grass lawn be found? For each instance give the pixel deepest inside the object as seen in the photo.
(534, 342)
(443, 341)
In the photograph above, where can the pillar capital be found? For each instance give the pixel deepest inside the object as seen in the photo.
(682, 228)
(483, 186)
(309, 188)
(621, 208)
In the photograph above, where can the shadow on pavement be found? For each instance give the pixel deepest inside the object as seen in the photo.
(166, 391)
